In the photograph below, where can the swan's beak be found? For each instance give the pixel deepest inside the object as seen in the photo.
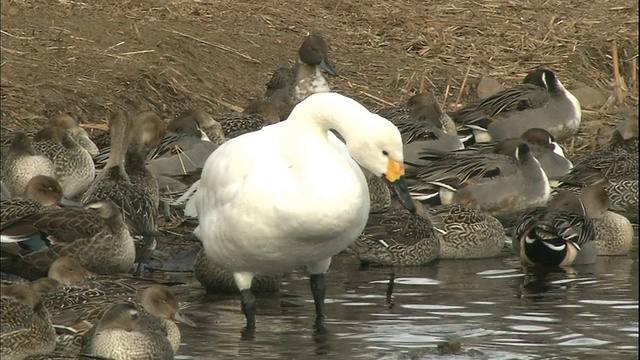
(395, 175)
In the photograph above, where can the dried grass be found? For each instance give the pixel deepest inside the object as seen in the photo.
(86, 58)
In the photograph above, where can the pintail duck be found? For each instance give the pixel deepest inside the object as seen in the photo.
(73, 165)
(546, 150)
(95, 235)
(113, 183)
(613, 232)
(393, 235)
(559, 234)
(149, 129)
(216, 280)
(255, 116)
(66, 122)
(467, 233)
(156, 304)
(312, 54)
(313, 58)
(541, 101)
(625, 137)
(121, 334)
(42, 192)
(296, 155)
(503, 182)
(79, 134)
(148, 133)
(21, 163)
(616, 170)
(422, 106)
(26, 326)
(199, 125)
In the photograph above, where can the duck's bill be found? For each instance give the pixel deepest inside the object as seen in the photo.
(180, 317)
(327, 66)
(68, 202)
(402, 190)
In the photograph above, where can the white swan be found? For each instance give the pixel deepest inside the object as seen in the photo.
(291, 196)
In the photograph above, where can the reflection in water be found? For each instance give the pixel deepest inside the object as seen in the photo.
(492, 308)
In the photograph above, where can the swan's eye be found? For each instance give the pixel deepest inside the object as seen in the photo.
(385, 153)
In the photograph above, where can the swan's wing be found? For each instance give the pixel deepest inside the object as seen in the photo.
(229, 166)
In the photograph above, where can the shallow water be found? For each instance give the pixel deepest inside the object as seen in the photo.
(490, 306)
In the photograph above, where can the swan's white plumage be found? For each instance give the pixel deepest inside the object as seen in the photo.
(290, 195)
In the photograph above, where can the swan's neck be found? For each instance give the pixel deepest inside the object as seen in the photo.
(344, 115)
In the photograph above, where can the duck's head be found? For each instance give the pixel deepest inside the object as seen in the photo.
(421, 99)
(22, 144)
(515, 148)
(379, 150)
(596, 200)
(544, 78)
(46, 285)
(57, 134)
(66, 122)
(567, 201)
(542, 138)
(159, 301)
(67, 271)
(185, 123)
(43, 189)
(263, 108)
(149, 128)
(24, 294)
(626, 130)
(313, 51)
(123, 316)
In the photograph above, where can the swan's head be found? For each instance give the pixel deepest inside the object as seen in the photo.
(379, 150)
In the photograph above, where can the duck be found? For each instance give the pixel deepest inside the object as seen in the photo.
(67, 122)
(140, 208)
(421, 106)
(121, 334)
(216, 280)
(42, 192)
(613, 232)
(467, 233)
(199, 124)
(300, 224)
(150, 131)
(395, 236)
(503, 182)
(616, 170)
(95, 235)
(26, 326)
(21, 163)
(80, 135)
(313, 52)
(156, 304)
(558, 234)
(74, 168)
(544, 147)
(624, 137)
(540, 101)
(312, 59)
(69, 286)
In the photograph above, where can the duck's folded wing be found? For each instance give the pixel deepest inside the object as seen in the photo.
(517, 98)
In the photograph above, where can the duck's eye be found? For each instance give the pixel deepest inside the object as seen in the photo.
(385, 153)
